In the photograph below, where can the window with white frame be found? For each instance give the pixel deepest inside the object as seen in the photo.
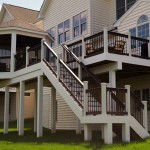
(80, 24)
(52, 32)
(64, 31)
(122, 6)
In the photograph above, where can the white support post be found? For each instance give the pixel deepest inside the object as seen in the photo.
(13, 51)
(127, 96)
(27, 56)
(17, 107)
(129, 44)
(35, 110)
(42, 49)
(6, 110)
(145, 120)
(87, 132)
(21, 109)
(125, 132)
(112, 78)
(149, 47)
(103, 97)
(105, 29)
(53, 110)
(58, 66)
(108, 134)
(40, 107)
(83, 48)
(85, 98)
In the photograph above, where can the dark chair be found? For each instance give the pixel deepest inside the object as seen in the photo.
(144, 50)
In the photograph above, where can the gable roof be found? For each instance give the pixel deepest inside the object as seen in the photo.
(128, 12)
(43, 9)
(20, 24)
(24, 14)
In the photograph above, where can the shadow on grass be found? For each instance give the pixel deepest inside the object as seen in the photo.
(61, 137)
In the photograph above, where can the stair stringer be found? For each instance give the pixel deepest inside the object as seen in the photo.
(62, 91)
(138, 128)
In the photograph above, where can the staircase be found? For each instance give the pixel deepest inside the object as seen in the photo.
(92, 100)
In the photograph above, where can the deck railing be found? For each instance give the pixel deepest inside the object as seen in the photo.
(111, 42)
(137, 108)
(116, 101)
(5, 63)
(34, 54)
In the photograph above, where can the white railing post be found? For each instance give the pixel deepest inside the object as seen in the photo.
(14, 63)
(105, 29)
(104, 98)
(80, 69)
(42, 49)
(127, 97)
(58, 66)
(149, 47)
(85, 98)
(145, 120)
(83, 48)
(129, 44)
(27, 56)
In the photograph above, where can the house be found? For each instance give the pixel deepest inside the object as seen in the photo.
(90, 73)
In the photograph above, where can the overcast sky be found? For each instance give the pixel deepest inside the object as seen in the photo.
(32, 4)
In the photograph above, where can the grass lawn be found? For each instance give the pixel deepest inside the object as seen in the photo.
(62, 140)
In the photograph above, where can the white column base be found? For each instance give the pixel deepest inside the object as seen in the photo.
(125, 132)
(87, 132)
(108, 134)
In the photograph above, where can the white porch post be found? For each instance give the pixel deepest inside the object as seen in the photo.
(83, 48)
(42, 49)
(53, 110)
(21, 108)
(145, 120)
(127, 97)
(13, 51)
(17, 107)
(40, 107)
(103, 97)
(149, 47)
(87, 132)
(58, 66)
(105, 29)
(108, 134)
(125, 132)
(112, 78)
(27, 56)
(85, 98)
(6, 110)
(35, 110)
(129, 44)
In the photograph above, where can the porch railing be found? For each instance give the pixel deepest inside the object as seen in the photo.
(5, 64)
(137, 108)
(34, 54)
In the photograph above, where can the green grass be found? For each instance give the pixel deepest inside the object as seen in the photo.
(62, 140)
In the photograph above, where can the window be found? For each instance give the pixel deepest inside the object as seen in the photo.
(122, 6)
(52, 33)
(133, 33)
(27, 94)
(80, 24)
(64, 31)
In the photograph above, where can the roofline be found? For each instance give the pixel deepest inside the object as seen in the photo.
(128, 12)
(22, 29)
(43, 9)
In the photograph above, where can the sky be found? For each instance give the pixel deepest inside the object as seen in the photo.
(31, 4)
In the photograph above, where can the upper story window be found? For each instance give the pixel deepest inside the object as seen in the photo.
(64, 31)
(122, 6)
(52, 32)
(80, 24)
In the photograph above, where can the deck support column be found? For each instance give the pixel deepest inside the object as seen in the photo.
(145, 121)
(53, 110)
(127, 96)
(125, 132)
(6, 110)
(108, 134)
(112, 78)
(21, 108)
(87, 132)
(105, 29)
(13, 51)
(17, 107)
(40, 107)
(35, 110)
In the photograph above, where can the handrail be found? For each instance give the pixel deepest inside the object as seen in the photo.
(81, 64)
(24, 51)
(95, 35)
(139, 39)
(34, 47)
